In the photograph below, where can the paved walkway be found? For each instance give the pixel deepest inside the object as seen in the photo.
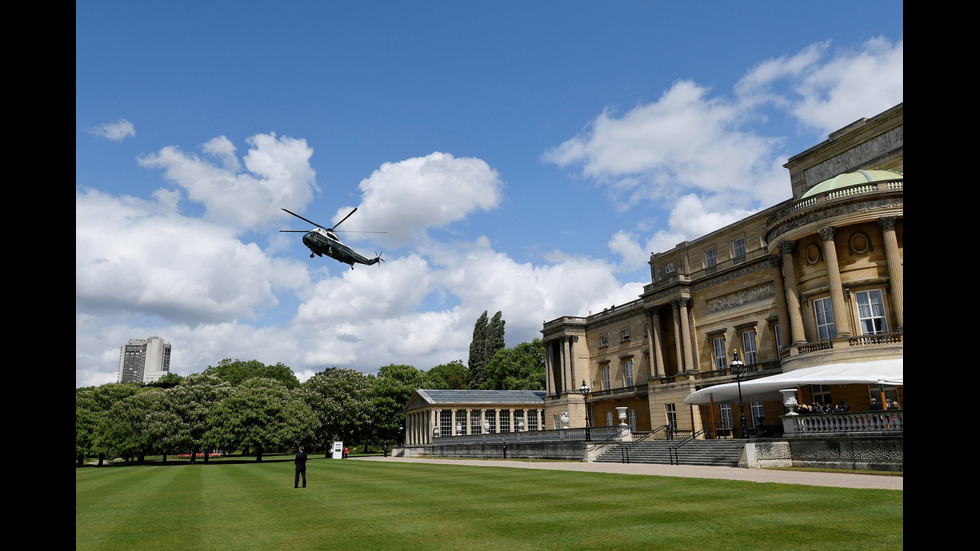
(839, 480)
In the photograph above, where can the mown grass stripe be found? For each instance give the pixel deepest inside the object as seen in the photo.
(376, 505)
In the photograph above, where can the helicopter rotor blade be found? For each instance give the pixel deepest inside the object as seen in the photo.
(345, 218)
(310, 221)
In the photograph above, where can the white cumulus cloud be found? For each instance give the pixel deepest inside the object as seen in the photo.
(116, 130)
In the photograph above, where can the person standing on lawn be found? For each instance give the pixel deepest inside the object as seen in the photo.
(300, 462)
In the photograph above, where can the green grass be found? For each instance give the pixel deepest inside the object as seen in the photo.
(375, 505)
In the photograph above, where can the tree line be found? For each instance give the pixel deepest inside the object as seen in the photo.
(253, 408)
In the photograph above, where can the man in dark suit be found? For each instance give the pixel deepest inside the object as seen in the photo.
(300, 462)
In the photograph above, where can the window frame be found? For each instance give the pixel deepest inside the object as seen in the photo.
(736, 244)
(750, 350)
(881, 317)
(719, 353)
(823, 307)
(710, 258)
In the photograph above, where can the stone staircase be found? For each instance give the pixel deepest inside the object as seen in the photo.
(717, 453)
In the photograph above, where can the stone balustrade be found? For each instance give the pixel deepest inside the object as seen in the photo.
(560, 435)
(888, 421)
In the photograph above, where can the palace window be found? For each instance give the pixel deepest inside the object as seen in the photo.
(628, 368)
(710, 258)
(475, 426)
(625, 335)
(758, 414)
(631, 415)
(821, 394)
(671, 415)
(748, 347)
(738, 250)
(871, 312)
(491, 416)
(605, 377)
(461, 420)
(603, 341)
(726, 416)
(446, 422)
(718, 345)
(825, 319)
(504, 420)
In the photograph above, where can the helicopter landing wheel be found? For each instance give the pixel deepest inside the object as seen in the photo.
(311, 255)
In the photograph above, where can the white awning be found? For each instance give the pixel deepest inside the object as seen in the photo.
(888, 372)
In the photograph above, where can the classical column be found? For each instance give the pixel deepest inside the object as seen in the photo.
(566, 362)
(895, 270)
(781, 312)
(549, 375)
(692, 362)
(841, 321)
(435, 423)
(678, 341)
(408, 430)
(681, 319)
(792, 294)
(655, 343)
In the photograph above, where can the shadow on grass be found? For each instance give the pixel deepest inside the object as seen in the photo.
(224, 460)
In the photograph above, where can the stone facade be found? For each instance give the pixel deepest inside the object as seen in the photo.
(817, 279)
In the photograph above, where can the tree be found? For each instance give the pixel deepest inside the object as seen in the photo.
(341, 400)
(393, 387)
(238, 371)
(488, 338)
(193, 401)
(518, 368)
(169, 380)
(131, 427)
(92, 404)
(450, 376)
(261, 414)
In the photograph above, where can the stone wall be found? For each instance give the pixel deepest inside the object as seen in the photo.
(572, 451)
(880, 453)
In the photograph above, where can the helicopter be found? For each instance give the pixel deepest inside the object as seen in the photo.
(323, 241)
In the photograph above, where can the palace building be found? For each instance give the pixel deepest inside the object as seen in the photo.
(809, 290)
(432, 414)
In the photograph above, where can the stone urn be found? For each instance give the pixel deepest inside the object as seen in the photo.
(789, 400)
(622, 414)
(564, 419)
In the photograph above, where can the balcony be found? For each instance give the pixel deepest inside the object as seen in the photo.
(845, 349)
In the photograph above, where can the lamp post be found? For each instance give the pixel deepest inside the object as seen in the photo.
(584, 389)
(738, 369)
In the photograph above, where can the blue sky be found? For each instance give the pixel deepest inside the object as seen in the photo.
(521, 156)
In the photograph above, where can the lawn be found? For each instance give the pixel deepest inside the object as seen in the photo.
(362, 505)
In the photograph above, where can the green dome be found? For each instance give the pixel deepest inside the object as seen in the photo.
(852, 178)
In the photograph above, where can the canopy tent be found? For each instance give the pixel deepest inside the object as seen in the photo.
(888, 372)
